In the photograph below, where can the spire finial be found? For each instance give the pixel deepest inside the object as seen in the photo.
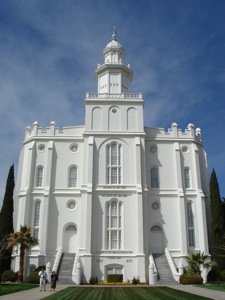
(114, 34)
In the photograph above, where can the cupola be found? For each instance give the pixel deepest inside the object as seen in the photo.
(113, 76)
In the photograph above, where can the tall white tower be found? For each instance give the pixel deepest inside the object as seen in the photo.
(114, 107)
(113, 76)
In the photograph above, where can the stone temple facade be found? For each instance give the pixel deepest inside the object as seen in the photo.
(112, 194)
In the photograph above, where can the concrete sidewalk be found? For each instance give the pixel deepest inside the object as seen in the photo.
(35, 294)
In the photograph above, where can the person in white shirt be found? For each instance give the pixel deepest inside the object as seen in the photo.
(43, 276)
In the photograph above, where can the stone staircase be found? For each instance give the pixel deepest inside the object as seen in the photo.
(165, 275)
(66, 267)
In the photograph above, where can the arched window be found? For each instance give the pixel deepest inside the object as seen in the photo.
(73, 176)
(36, 218)
(187, 183)
(39, 176)
(114, 225)
(154, 177)
(190, 225)
(114, 164)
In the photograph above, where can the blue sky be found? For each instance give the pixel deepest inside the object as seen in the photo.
(49, 50)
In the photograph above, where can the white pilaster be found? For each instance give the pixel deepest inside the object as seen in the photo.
(181, 203)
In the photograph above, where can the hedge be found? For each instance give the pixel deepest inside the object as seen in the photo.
(191, 278)
(9, 275)
(115, 278)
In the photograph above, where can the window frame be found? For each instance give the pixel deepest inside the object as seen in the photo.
(72, 177)
(154, 177)
(114, 164)
(190, 225)
(36, 218)
(187, 178)
(40, 176)
(114, 225)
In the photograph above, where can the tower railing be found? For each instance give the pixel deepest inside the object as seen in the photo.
(114, 96)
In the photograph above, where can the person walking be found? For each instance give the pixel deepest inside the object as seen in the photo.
(43, 276)
(54, 278)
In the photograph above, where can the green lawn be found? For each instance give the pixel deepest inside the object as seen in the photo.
(214, 287)
(14, 288)
(122, 293)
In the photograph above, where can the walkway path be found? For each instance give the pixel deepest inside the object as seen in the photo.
(35, 294)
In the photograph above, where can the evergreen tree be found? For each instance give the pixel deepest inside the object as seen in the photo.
(6, 220)
(218, 221)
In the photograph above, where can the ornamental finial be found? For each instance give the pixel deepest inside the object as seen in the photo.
(114, 34)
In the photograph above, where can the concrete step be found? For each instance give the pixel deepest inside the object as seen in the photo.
(165, 274)
(65, 268)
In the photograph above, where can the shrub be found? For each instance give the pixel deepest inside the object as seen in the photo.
(115, 278)
(136, 280)
(32, 278)
(9, 275)
(191, 278)
(216, 276)
(93, 280)
(38, 269)
(223, 276)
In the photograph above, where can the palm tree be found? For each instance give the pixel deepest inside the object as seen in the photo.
(26, 241)
(196, 261)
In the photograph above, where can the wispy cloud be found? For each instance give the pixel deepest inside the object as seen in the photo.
(49, 50)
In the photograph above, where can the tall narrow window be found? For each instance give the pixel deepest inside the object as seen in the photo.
(36, 219)
(39, 176)
(154, 177)
(73, 177)
(187, 178)
(114, 164)
(190, 225)
(114, 225)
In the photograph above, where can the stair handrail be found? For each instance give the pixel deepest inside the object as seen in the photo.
(76, 260)
(152, 262)
(172, 265)
(57, 259)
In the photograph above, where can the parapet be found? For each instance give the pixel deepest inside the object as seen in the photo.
(52, 130)
(175, 132)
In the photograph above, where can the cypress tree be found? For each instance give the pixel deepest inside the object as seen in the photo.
(218, 222)
(6, 219)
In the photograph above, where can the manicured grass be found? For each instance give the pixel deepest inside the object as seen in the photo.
(122, 293)
(214, 287)
(14, 288)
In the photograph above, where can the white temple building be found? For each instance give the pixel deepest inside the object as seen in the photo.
(111, 196)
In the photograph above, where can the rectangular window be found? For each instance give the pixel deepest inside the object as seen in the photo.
(36, 218)
(113, 230)
(187, 178)
(114, 164)
(190, 225)
(73, 177)
(154, 178)
(191, 237)
(114, 175)
(35, 232)
(114, 240)
(39, 176)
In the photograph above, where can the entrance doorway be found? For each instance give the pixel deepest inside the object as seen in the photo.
(156, 240)
(70, 239)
